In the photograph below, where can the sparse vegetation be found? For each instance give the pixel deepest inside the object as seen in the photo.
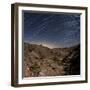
(42, 61)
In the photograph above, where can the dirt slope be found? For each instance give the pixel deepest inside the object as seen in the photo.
(43, 61)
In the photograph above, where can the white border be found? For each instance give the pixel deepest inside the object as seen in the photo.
(57, 78)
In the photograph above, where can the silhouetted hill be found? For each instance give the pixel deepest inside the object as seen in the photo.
(43, 61)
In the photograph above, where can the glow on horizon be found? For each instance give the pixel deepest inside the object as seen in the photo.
(46, 44)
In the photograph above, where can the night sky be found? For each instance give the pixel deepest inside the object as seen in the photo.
(51, 30)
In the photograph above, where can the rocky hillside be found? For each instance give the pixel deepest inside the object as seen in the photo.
(43, 61)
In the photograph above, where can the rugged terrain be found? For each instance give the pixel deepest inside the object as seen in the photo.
(43, 61)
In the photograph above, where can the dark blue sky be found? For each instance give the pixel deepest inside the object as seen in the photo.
(52, 30)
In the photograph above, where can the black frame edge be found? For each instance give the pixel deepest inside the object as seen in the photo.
(51, 6)
(12, 45)
(86, 24)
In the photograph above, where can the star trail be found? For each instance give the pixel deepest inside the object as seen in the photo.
(51, 29)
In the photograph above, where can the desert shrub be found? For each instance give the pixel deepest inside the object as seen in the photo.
(35, 68)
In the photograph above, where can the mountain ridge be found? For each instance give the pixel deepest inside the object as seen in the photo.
(40, 60)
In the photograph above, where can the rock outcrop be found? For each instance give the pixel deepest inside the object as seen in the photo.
(43, 61)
